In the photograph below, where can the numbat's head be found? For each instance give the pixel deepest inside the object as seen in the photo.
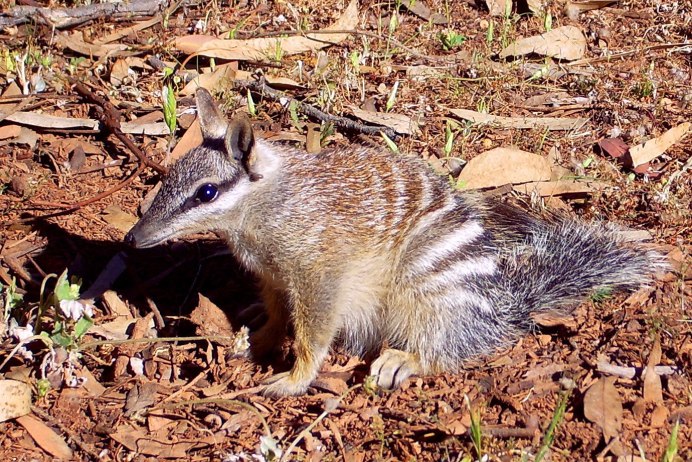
(209, 183)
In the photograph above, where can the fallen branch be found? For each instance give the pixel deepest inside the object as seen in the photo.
(110, 117)
(61, 18)
(632, 372)
(260, 87)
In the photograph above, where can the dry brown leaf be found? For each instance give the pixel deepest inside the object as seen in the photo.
(115, 305)
(134, 439)
(210, 319)
(313, 139)
(659, 416)
(550, 123)
(45, 437)
(420, 9)
(75, 43)
(118, 218)
(119, 72)
(147, 128)
(566, 42)
(603, 406)
(400, 123)
(48, 121)
(501, 166)
(91, 385)
(16, 399)
(262, 48)
(537, 7)
(10, 131)
(572, 9)
(496, 7)
(653, 148)
(653, 391)
(192, 138)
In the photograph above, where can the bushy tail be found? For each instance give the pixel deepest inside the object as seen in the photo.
(563, 262)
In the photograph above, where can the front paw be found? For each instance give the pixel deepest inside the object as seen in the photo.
(393, 367)
(283, 384)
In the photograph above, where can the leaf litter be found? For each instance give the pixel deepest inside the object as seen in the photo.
(157, 374)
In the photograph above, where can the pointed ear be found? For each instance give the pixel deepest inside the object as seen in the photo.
(239, 139)
(213, 124)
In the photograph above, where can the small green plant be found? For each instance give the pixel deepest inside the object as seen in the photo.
(355, 57)
(672, 448)
(74, 64)
(390, 144)
(326, 130)
(601, 294)
(549, 436)
(392, 97)
(251, 109)
(278, 51)
(293, 113)
(451, 40)
(72, 317)
(449, 139)
(10, 299)
(475, 429)
(169, 107)
(646, 86)
(548, 21)
(490, 33)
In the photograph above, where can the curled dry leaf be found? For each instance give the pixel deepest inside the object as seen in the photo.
(261, 48)
(502, 166)
(566, 42)
(653, 148)
(603, 406)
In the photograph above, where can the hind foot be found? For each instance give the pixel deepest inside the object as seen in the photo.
(393, 367)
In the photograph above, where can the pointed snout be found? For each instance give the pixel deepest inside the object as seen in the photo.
(130, 239)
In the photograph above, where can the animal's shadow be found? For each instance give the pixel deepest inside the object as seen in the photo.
(171, 276)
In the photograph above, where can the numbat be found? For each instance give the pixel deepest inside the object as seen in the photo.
(369, 248)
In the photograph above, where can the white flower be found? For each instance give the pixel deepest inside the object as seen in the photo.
(75, 309)
(20, 333)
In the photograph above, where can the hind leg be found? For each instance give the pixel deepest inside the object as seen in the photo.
(268, 338)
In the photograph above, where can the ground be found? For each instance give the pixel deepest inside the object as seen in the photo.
(575, 389)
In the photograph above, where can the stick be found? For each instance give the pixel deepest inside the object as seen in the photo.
(61, 18)
(263, 89)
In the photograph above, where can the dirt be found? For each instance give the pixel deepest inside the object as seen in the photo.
(179, 396)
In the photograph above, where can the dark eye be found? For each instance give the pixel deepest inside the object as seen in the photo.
(207, 193)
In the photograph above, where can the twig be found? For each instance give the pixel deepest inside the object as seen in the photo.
(61, 18)
(632, 372)
(510, 432)
(263, 89)
(110, 117)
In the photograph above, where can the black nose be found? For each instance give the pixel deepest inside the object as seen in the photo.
(130, 239)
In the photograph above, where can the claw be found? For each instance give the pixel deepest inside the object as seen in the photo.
(283, 384)
(393, 367)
